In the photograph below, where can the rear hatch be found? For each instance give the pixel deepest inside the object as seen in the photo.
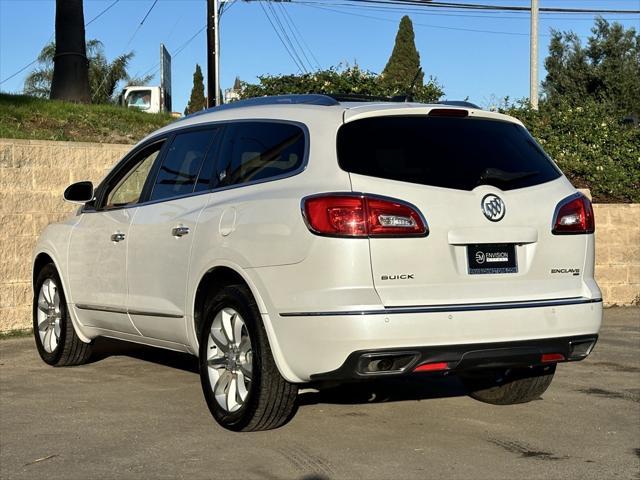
(488, 193)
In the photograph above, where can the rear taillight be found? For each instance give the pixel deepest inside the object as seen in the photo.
(359, 215)
(574, 215)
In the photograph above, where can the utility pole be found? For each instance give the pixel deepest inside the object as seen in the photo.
(213, 54)
(533, 67)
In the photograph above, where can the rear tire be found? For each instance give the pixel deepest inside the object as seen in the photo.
(510, 387)
(240, 381)
(55, 336)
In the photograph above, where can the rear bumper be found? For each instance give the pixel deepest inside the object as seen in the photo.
(322, 345)
(459, 358)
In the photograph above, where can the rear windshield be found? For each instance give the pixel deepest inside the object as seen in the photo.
(459, 153)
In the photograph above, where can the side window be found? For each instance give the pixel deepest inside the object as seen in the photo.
(259, 150)
(182, 164)
(128, 190)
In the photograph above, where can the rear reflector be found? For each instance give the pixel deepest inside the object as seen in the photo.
(432, 367)
(574, 215)
(552, 357)
(356, 215)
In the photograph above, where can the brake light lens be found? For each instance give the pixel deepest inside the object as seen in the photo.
(448, 112)
(349, 215)
(574, 215)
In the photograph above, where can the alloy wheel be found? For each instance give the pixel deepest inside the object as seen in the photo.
(229, 359)
(49, 315)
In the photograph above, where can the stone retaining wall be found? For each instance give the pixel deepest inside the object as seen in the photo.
(618, 252)
(34, 173)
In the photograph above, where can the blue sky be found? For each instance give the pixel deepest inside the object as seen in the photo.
(462, 49)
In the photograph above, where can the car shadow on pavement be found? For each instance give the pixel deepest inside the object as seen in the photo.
(108, 347)
(416, 387)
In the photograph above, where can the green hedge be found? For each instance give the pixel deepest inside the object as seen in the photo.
(591, 144)
(338, 80)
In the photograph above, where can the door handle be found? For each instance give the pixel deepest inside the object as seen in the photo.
(179, 231)
(117, 237)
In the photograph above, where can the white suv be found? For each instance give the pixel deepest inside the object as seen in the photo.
(298, 239)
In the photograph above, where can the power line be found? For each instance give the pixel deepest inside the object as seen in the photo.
(18, 72)
(298, 35)
(279, 37)
(479, 6)
(286, 35)
(442, 27)
(104, 78)
(156, 67)
(141, 23)
(519, 15)
(101, 13)
(13, 75)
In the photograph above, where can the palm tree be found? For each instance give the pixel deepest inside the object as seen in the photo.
(70, 79)
(104, 76)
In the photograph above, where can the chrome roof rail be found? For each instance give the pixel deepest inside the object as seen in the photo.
(307, 99)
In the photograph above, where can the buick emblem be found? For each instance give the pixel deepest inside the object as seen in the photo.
(493, 207)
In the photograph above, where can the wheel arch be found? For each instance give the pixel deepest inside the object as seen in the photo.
(39, 262)
(222, 275)
(43, 257)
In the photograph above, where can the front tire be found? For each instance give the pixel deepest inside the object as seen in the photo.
(240, 381)
(510, 387)
(56, 339)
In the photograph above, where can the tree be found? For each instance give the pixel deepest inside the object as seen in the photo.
(403, 68)
(104, 76)
(337, 80)
(197, 101)
(607, 69)
(70, 79)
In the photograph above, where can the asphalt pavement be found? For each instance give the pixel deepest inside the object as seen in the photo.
(138, 413)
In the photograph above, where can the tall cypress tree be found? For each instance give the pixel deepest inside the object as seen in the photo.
(197, 101)
(403, 66)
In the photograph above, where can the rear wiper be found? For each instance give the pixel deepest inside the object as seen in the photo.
(502, 176)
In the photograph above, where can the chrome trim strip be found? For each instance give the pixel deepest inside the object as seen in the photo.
(102, 308)
(464, 307)
(154, 314)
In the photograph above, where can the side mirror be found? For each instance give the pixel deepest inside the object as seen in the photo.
(79, 192)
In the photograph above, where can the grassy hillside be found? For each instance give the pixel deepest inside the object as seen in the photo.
(39, 119)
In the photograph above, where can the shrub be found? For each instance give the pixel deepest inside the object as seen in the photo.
(592, 145)
(336, 80)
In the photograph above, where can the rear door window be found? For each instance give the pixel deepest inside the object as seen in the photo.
(182, 164)
(458, 153)
(255, 151)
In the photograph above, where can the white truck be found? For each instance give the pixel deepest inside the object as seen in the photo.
(145, 98)
(151, 99)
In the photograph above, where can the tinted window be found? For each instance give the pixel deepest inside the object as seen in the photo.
(258, 150)
(459, 153)
(140, 99)
(181, 165)
(128, 189)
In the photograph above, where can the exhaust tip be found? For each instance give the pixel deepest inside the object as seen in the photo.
(580, 349)
(385, 363)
